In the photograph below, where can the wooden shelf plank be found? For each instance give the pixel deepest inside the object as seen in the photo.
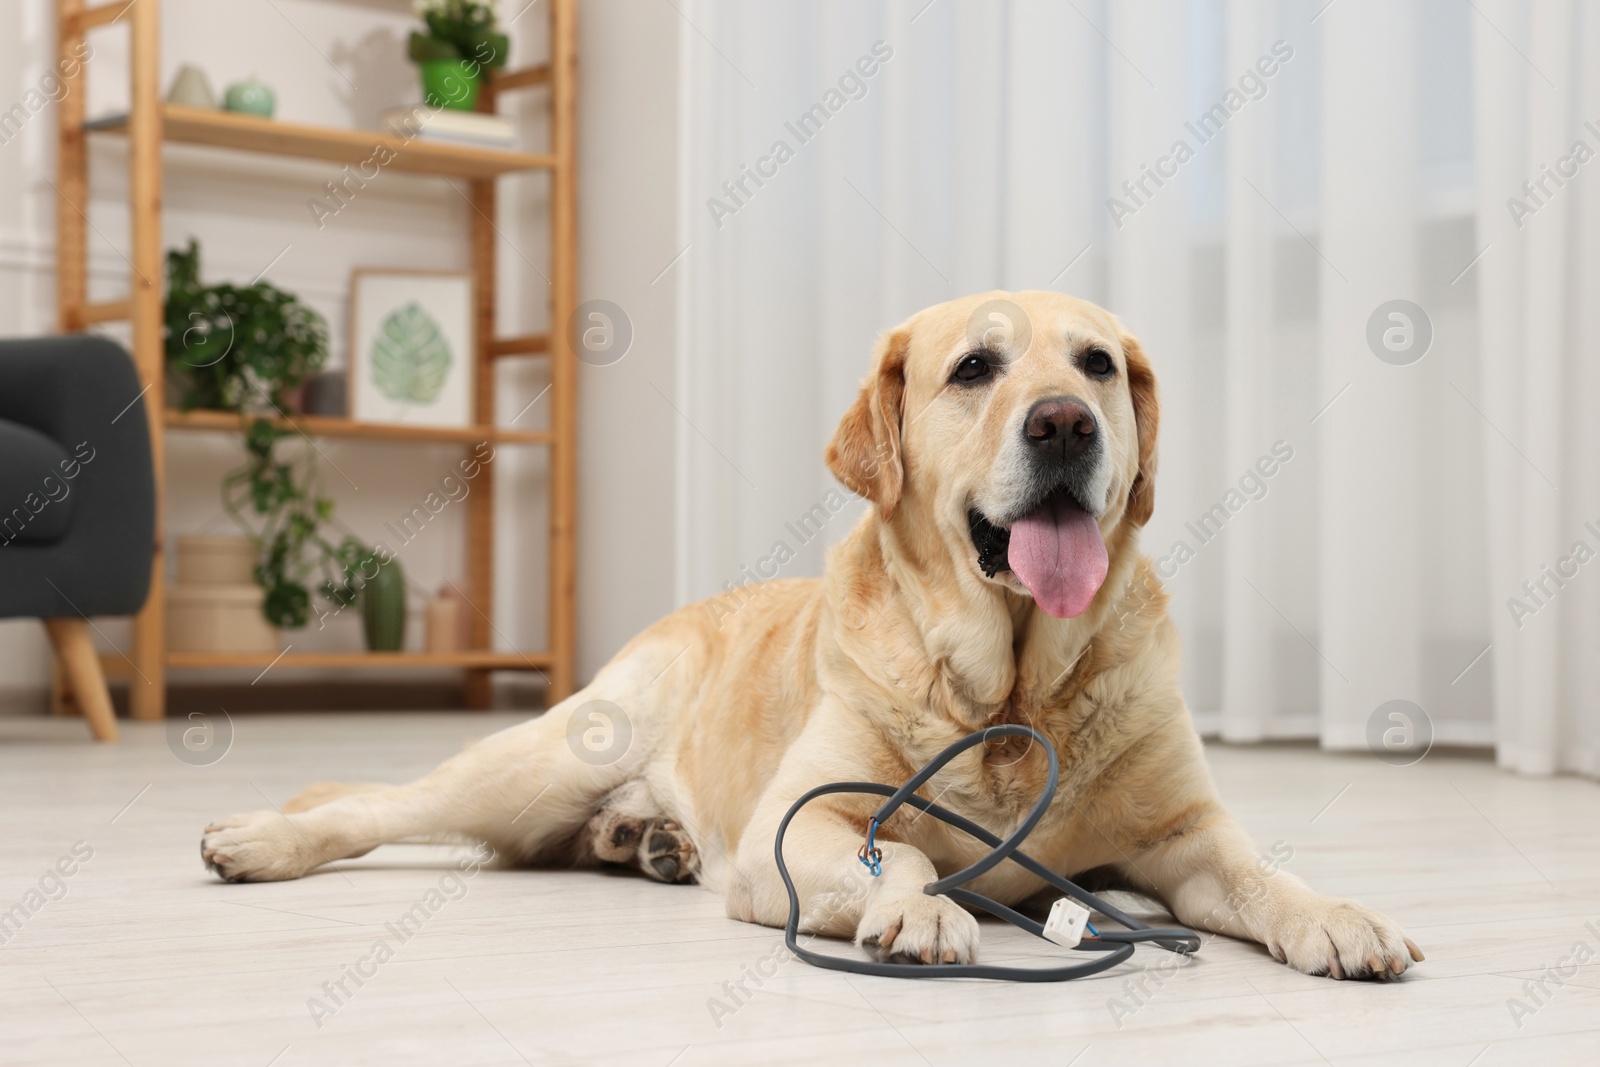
(493, 660)
(325, 426)
(525, 78)
(417, 155)
(118, 666)
(530, 344)
(107, 311)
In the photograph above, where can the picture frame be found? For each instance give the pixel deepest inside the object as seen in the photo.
(412, 357)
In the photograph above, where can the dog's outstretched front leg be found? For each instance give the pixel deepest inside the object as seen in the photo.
(889, 914)
(1211, 877)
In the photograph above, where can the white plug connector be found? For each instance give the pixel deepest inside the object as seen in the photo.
(1066, 922)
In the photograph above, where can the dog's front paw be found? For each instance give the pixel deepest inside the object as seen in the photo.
(1341, 939)
(919, 929)
(260, 846)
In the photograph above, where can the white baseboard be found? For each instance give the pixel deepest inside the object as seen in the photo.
(1308, 727)
(1282, 728)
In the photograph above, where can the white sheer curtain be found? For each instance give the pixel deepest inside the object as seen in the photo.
(1334, 161)
(1537, 288)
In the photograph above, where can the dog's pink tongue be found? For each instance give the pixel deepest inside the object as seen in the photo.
(1057, 552)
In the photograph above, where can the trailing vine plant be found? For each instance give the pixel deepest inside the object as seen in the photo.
(241, 349)
(286, 501)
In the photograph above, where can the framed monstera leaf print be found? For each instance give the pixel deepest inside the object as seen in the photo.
(411, 347)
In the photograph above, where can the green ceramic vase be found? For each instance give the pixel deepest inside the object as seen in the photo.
(383, 608)
(250, 98)
(451, 83)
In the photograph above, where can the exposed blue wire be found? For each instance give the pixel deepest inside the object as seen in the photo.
(870, 856)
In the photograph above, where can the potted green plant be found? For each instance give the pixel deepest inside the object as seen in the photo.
(459, 42)
(236, 348)
(241, 349)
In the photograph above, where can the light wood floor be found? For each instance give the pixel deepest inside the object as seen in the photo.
(147, 960)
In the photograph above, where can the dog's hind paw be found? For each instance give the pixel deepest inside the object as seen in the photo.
(260, 846)
(653, 843)
(666, 853)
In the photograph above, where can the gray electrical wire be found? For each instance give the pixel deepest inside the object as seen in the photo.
(1116, 945)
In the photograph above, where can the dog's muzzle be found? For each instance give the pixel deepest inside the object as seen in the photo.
(1051, 541)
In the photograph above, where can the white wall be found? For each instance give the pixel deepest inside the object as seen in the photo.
(340, 63)
(628, 99)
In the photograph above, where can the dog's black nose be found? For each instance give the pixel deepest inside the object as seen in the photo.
(1062, 426)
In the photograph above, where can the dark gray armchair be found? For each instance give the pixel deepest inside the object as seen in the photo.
(77, 498)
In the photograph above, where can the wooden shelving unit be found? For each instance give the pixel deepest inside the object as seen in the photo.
(147, 125)
(260, 661)
(323, 426)
(248, 133)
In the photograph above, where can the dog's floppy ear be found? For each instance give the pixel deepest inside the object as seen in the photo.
(1147, 413)
(865, 451)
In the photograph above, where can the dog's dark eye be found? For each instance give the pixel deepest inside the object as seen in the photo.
(1098, 364)
(972, 369)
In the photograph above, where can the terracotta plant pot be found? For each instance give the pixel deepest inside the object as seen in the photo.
(444, 625)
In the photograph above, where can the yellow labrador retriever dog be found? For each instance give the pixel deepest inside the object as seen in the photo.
(995, 579)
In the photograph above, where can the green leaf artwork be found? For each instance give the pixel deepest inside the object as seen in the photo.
(410, 356)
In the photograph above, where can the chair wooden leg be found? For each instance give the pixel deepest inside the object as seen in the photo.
(62, 701)
(82, 663)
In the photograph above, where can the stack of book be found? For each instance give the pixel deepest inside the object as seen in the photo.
(448, 124)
